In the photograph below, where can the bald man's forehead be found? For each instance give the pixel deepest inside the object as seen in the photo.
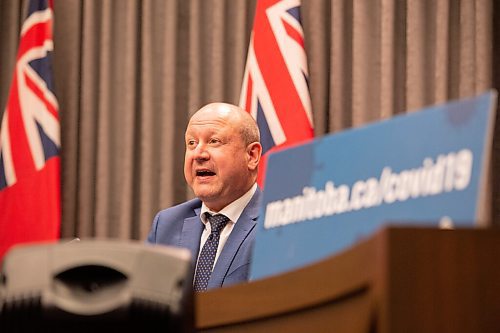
(211, 115)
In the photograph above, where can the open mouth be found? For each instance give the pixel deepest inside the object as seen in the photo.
(204, 173)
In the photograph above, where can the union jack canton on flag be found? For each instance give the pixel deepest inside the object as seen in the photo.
(29, 139)
(275, 83)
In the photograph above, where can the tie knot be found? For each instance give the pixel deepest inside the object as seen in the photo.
(217, 222)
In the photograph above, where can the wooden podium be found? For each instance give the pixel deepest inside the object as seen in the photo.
(399, 280)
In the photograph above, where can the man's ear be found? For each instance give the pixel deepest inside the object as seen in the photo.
(254, 152)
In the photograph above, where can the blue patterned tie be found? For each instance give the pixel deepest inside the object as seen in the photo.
(208, 252)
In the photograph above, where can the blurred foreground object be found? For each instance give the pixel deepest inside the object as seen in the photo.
(96, 285)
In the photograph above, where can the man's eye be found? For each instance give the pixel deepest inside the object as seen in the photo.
(190, 143)
(214, 141)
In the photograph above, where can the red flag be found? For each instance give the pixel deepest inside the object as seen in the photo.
(275, 87)
(30, 207)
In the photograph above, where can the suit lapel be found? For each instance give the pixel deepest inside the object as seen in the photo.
(191, 234)
(242, 228)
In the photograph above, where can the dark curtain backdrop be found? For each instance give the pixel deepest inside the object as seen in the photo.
(128, 75)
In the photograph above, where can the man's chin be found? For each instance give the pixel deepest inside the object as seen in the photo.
(205, 193)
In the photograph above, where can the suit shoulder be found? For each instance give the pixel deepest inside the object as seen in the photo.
(185, 209)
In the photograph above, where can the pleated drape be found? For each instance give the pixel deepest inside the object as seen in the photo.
(130, 73)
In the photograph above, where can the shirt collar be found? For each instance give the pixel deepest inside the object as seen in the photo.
(234, 209)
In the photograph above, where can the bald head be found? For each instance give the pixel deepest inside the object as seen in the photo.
(222, 154)
(236, 116)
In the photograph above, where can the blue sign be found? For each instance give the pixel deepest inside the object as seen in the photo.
(424, 168)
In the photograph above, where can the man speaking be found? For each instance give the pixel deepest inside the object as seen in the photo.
(223, 151)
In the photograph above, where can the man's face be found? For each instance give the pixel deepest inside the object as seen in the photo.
(216, 164)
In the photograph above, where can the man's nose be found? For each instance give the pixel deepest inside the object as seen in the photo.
(201, 152)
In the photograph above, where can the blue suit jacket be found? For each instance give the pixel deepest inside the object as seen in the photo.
(181, 226)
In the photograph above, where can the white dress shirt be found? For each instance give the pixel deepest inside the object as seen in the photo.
(232, 211)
